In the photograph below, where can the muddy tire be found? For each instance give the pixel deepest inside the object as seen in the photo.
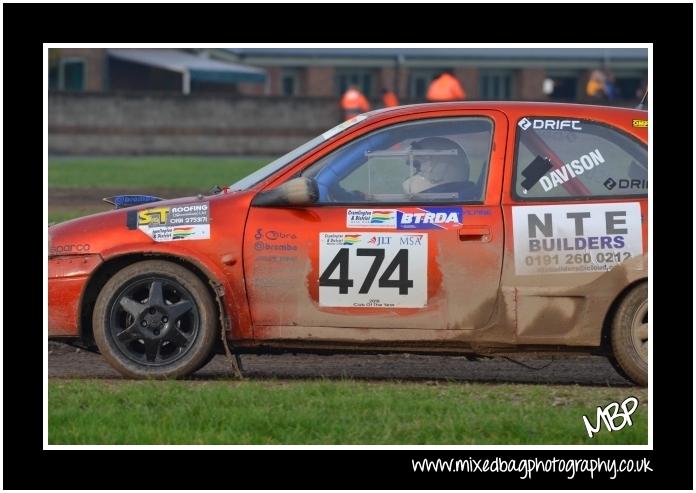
(207, 360)
(629, 335)
(155, 319)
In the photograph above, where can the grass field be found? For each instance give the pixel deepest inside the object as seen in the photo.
(179, 176)
(138, 172)
(331, 412)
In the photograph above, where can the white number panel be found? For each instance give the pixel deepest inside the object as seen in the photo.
(373, 270)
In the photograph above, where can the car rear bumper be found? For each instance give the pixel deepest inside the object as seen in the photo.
(67, 277)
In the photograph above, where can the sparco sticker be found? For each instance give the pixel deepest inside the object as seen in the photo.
(561, 239)
(178, 222)
(405, 218)
(373, 270)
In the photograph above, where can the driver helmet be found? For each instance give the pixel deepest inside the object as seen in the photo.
(436, 169)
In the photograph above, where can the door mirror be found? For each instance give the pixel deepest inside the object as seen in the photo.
(298, 191)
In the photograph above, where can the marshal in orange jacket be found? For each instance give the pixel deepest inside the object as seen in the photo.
(445, 88)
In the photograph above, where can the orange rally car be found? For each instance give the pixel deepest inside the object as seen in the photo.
(477, 228)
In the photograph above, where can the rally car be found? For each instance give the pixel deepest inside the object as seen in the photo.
(472, 228)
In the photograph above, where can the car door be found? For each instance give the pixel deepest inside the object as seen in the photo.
(387, 252)
(575, 211)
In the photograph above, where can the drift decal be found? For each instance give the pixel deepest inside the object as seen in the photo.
(178, 222)
(576, 167)
(561, 239)
(543, 124)
(373, 270)
(405, 218)
(625, 184)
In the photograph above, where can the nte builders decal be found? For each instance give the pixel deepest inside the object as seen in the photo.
(176, 222)
(417, 218)
(561, 239)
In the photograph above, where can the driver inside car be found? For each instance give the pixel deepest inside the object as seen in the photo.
(440, 171)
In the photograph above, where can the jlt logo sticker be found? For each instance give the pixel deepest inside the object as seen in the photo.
(363, 270)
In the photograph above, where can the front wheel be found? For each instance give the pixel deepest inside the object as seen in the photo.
(629, 335)
(155, 319)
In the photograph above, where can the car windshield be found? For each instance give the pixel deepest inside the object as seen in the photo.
(263, 173)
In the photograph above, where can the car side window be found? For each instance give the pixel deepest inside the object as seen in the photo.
(439, 160)
(560, 158)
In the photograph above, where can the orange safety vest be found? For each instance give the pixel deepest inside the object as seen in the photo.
(445, 88)
(354, 101)
(389, 99)
(594, 88)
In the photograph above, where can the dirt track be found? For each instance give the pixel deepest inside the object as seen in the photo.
(65, 362)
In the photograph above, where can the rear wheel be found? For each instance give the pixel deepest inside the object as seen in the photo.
(629, 335)
(155, 319)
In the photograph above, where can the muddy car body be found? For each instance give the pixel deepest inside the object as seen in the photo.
(453, 228)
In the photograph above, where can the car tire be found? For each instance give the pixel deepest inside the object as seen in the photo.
(207, 360)
(629, 335)
(155, 319)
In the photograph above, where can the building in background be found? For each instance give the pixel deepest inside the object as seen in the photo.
(265, 102)
(145, 70)
(486, 73)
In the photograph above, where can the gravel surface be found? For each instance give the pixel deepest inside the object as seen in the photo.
(66, 362)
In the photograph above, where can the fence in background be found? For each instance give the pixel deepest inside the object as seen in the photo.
(169, 124)
(96, 124)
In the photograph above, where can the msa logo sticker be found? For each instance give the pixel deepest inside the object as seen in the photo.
(562, 239)
(371, 218)
(544, 124)
(174, 223)
(524, 124)
(640, 123)
(366, 270)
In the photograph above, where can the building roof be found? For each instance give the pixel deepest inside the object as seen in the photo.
(198, 67)
(467, 53)
(493, 58)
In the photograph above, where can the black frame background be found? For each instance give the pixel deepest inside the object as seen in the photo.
(27, 26)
